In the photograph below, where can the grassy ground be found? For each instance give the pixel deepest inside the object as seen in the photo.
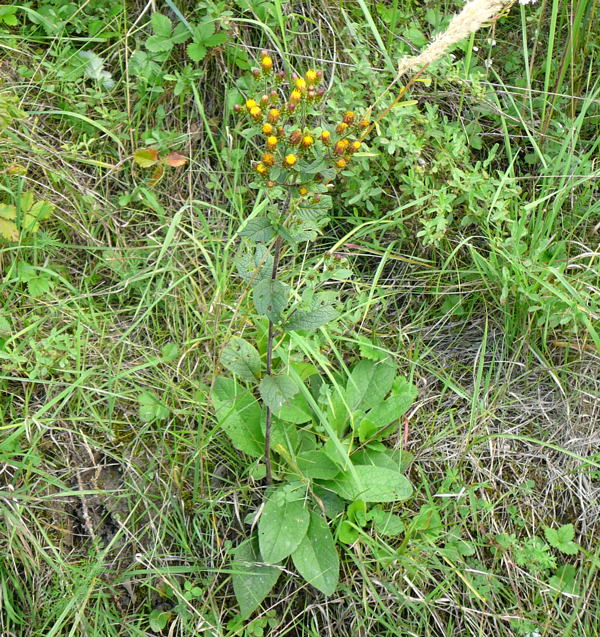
(473, 236)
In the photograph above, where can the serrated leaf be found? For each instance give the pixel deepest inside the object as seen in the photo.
(8, 211)
(371, 484)
(196, 51)
(8, 230)
(39, 285)
(316, 558)
(258, 229)
(161, 25)
(216, 39)
(368, 384)
(270, 298)
(159, 44)
(145, 157)
(252, 581)
(296, 411)
(254, 267)
(282, 526)
(561, 539)
(175, 159)
(241, 358)
(276, 391)
(311, 319)
(204, 30)
(239, 415)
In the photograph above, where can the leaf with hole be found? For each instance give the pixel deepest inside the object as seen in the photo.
(316, 557)
(270, 298)
(241, 358)
(276, 391)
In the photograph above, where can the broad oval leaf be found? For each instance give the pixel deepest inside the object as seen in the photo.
(276, 391)
(317, 465)
(175, 159)
(145, 157)
(311, 319)
(282, 526)
(316, 558)
(369, 383)
(241, 358)
(252, 581)
(270, 298)
(372, 484)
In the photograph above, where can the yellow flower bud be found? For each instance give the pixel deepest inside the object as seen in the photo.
(303, 191)
(348, 118)
(295, 96)
(268, 159)
(271, 142)
(311, 77)
(250, 104)
(256, 112)
(274, 115)
(301, 84)
(261, 169)
(341, 163)
(307, 141)
(341, 147)
(267, 129)
(341, 128)
(266, 64)
(290, 160)
(364, 123)
(354, 146)
(326, 137)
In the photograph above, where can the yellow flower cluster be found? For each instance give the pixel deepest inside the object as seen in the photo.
(282, 121)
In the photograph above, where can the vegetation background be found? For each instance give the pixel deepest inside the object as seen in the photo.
(471, 227)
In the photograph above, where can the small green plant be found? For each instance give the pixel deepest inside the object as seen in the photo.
(320, 435)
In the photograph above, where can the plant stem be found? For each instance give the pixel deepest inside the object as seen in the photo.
(276, 258)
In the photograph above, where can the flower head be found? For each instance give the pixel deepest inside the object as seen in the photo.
(268, 159)
(267, 129)
(256, 112)
(296, 137)
(250, 104)
(300, 84)
(348, 118)
(311, 77)
(295, 96)
(307, 141)
(271, 142)
(266, 63)
(274, 114)
(326, 137)
(261, 169)
(290, 160)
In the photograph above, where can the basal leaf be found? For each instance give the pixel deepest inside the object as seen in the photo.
(316, 464)
(386, 523)
(562, 539)
(252, 581)
(316, 557)
(8, 230)
(241, 358)
(372, 484)
(282, 526)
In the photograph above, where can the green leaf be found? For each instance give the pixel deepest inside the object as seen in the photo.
(311, 319)
(150, 407)
(277, 390)
(254, 265)
(296, 411)
(561, 539)
(161, 25)
(316, 464)
(8, 230)
(158, 44)
(252, 582)
(270, 298)
(39, 285)
(282, 526)
(158, 619)
(385, 523)
(216, 39)
(241, 358)
(564, 580)
(145, 157)
(258, 229)
(203, 31)
(427, 522)
(169, 352)
(239, 415)
(347, 532)
(316, 558)
(372, 484)
(394, 407)
(395, 460)
(369, 383)
(196, 51)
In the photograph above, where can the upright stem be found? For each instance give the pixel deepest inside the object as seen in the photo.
(270, 337)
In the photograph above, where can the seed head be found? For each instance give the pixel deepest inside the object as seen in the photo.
(268, 159)
(296, 137)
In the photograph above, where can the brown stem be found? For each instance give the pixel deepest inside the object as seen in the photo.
(276, 258)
